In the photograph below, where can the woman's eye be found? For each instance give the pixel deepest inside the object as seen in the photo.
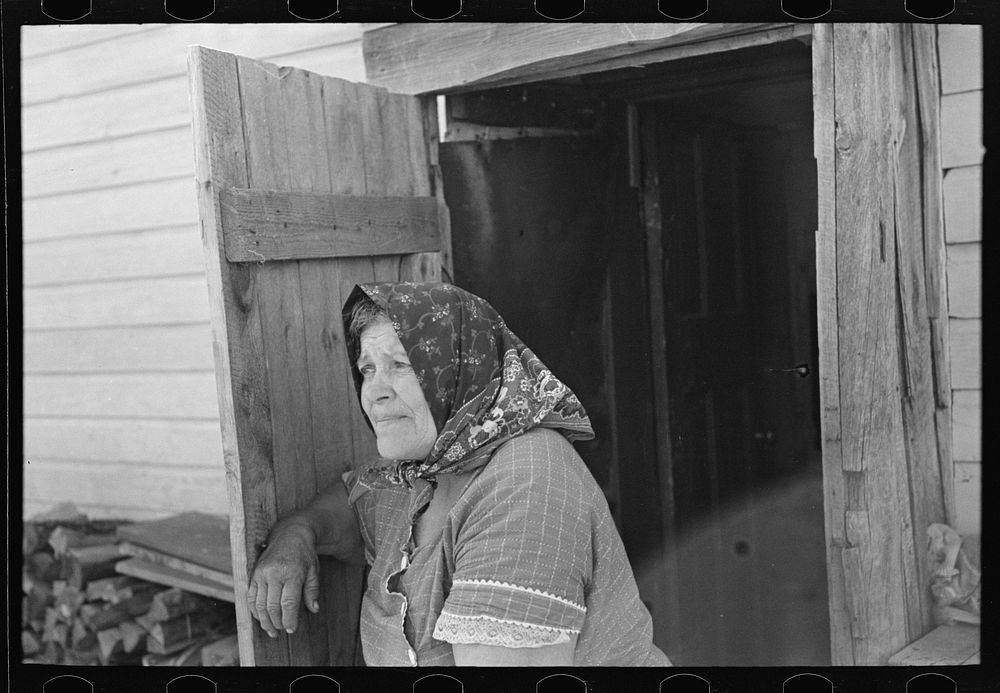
(366, 370)
(402, 365)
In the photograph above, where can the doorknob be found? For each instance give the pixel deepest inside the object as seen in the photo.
(801, 370)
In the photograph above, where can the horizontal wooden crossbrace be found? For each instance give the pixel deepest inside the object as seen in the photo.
(264, 225)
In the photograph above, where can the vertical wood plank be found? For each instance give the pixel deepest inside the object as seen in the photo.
(915, 340)
(834, 490)
(418, 267)
(338, 428)
(927, 87)
(272, 149)
(432, 136)
(220, 158)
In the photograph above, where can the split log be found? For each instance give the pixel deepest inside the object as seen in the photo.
(43, 566)
(68, 602)
(186, 657)
(110, 642)
(115, 589)
(221, 653)
(166, 635)
(29, 643)
(37, 600)
(174, 602)
(87, 657)
(81, 637)
(145, 622)
(64, 538)
(133, 635)
(51, 621)
(113, 614)
(81, 565)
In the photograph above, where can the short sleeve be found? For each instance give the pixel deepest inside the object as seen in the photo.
(522, 553)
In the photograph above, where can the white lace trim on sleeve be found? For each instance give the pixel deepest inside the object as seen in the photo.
(518, 588)
(486, 630)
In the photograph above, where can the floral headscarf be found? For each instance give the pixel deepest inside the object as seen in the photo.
(482, 384)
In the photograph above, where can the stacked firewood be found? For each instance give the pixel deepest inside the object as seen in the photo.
(77, 609)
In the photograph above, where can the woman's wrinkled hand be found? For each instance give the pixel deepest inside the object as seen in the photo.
(286, 574)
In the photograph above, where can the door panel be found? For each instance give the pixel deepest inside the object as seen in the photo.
(291, 423)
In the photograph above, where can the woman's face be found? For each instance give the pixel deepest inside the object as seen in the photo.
(392, 398)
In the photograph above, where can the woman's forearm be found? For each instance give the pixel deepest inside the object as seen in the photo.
(331, 522)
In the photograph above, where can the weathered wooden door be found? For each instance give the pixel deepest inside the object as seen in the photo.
(307, 185)
(694, 192)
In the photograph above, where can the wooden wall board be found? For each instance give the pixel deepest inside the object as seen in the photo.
(183, 348)
(37, 40)
(164, 301)
(146, 106)
(421, 58)
(966, 336)
(165, 490)
(960, 47)
(943, 646)
(124, 209)
(968, 497)
(834, 487)
(147, 253)
(962, 129)
(195, 537)
(272, 225)
(79, 70)
(220, 157)
(160, 395)
(165, 575)
(967, 415)
(965, 280)
(963, 197)
(153, 443)
(108, 163)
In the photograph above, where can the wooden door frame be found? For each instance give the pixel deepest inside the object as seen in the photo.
(465, 57)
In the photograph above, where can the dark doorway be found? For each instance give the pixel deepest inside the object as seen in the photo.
(663, 264)
(729, 208)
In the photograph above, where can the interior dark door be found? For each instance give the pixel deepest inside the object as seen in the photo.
(696, 190)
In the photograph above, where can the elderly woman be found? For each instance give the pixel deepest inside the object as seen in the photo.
(488, 541)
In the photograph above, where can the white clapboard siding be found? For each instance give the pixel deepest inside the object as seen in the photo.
(963, 198)
(166, 301)
(107, 163)
(962, 129)
(152, 253)
(159, 488)
(39, 40)
(152, 443)
(967, 408)
(142, 57)
(120, 349)
(966, 337)
(130, 395)
(121, 410)
(156, 105)
(109, 210)
(960, 51)
(965, 280)
(968, 497)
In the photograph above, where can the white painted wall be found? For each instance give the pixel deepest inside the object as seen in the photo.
(960, 50)
(119, 392)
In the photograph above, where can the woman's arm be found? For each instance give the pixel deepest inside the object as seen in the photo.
(287, 572)
(560, 655)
